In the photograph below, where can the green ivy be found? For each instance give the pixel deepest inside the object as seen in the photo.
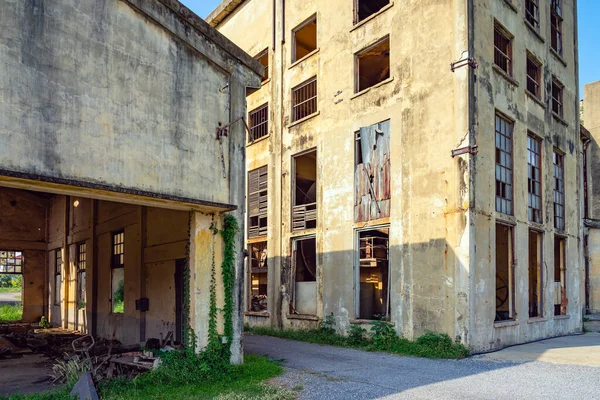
(230, 229)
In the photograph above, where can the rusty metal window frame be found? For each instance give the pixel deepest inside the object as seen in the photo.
(534, 75)
(81, 271)
(534, 179)
(532, 13)
(11, 262)
(503, 48)
(556, 20)
(303, 214)
(257, 200)
(559, 190)
(259, 122)
(304, 99)
(58, 266)
(504, 129)
(357, 61)
(262, 268)
(557, 97)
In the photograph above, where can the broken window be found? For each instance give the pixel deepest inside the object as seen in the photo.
(304, 210)
(504, 273)
(372, 173)
(257, 202)
(258, 272)
(559, 191)
(305, 39)
(373, 296)
(532, 13)
(118, 272)
(11, 262)
(556, 26)
(363, 9)
(503, 49)
(535, 275)
(373, 65)
(557, 97)
(304, 273)
(533, 76)
(263, 58)
(58, 277)
(534, 179)
(560, 288)
(504, 165)
(259, 123)
(81, 266)
(304, 99)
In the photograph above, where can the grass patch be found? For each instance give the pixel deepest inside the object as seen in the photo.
(10, 290)
(181, 378)
(586, 319)
(430, 345)
(10, 313)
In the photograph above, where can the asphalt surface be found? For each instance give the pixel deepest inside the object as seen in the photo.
(10, 298)
(325, 372)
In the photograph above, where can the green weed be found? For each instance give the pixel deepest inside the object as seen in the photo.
(10, 313)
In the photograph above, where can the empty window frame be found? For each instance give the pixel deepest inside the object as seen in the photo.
(556, 20)
(532, 13)
(263, 58)
(504, 165)
(559, 191)
(503, 48)
(258, 277)
(534, 179)
(304, 99)
(304, 276)
(534, 76)
(304, 39)
(560, 288)
(536, 306)
(58, 266)
(372, 192)
(11, 262)
(373, 274)
(81, 277)
(557, 98)
(363, 9)
(372, 65)
(504, 273)
(304, 206)
(118, 272)
(257, 202)
(259, 122)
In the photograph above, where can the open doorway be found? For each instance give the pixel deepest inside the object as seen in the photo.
(304, 212)
(373, 274)
(304, 274)
(11, 285)
(504, 273)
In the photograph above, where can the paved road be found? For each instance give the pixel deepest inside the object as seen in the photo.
(331, 373)
(10, 298)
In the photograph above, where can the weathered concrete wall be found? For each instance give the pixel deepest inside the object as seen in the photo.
(99, 94)
(494, 92)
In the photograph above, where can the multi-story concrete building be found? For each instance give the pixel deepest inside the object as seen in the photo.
(120, 154)
(414, 160)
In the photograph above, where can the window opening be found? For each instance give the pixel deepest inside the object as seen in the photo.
(503, 49)
(57, 276)
(504, 165)
(118, 272)
(534, 180)
(557, 98)
(373, 298)
(533, 76)
(305, 39)
(304, 273)
(373, 65)
(559, 191)
(560, 288)
(259, 277)
(372, 192)
(532, 13)
(304, 99)
(535, 275)
(556, 21)
(257, 202)
(263, 58)
(304, 211)
(363, 9)
(504, 273)
(259, 123)
(81, 267)
(11, 262)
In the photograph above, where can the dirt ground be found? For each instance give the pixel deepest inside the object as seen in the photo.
(25, 374)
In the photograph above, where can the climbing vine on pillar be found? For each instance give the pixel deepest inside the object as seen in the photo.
(230, 229)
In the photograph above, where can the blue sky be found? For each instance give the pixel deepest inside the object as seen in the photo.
(589, 35)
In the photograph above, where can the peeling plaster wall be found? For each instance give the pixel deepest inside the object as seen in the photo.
(494, 92)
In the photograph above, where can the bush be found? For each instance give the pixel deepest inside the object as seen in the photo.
(357, 334)
(328, 324)
(384, 334)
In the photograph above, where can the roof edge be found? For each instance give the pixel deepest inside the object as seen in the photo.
(222, 11)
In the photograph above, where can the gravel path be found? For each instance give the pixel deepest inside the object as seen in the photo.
(325, 372)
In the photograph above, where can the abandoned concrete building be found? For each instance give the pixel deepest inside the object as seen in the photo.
(415, 161)
(120, 155)
(591, 171)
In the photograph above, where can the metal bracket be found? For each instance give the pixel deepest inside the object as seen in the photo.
(471, 62)
(465, 150)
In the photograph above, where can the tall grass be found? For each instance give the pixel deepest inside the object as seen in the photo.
(9, 313)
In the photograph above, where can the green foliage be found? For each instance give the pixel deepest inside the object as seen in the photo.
(61, 393)
(119, 298)
(356, 334)
(69, 371)
(44, 324)
(11, 281)
(328, 324)
(9, 313)
(384, 333)
(230, 229)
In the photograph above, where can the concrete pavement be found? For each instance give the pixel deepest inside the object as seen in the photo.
(325, 372)
(10, 298)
